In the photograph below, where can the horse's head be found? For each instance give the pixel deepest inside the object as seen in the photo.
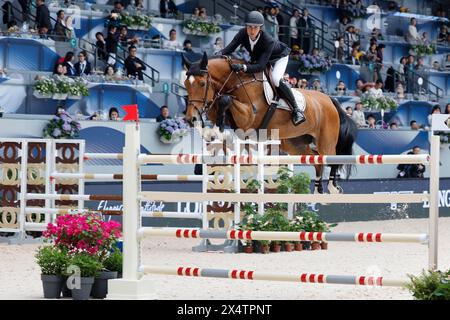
(200, 90)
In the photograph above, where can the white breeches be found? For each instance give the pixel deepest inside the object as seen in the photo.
(278, 70)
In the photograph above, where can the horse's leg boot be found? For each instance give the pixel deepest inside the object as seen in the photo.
(297, 116)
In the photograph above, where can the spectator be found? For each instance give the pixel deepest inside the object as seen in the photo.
(345, 21)
(409, 70)
(134, 65)
(371, 122)
(358, 115)
(424, 39)
(113, 114)
(60, 27)
(419, 67)
(43, 23)
(172, 43)
(446, 64)
(436, 66)
(358, 9)
(124, 40)
(95, 116)
(196, 12)
(272, 18)
(25, 6)
(68, 63)
(82, 67)
(294, 82)
(350, 35)
(400, 91)
(70, 31)
(111, 45)
(414, 125)
(377, 91)
(341, 89)
(349, 111)
(306, 31)
(293, 29)
(187, 46)
(167, 8)
(412, 36)
(411, 170)
(354, 58)
(447, 109)
(303, 84)
(401, 70)
(164, 114)
(442, 36)
(286, 77)
(118, 7)
(60, 69)
(393, 126)
(101, 46)
(316, 85)
(110, 73)
(138, 5)
(359, 87)
(435, 110)
(218, 45)
(340, 50)
(202, 13)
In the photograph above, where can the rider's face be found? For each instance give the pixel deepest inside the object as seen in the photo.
(253, 31)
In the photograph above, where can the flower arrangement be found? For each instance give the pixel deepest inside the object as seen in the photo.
(171, 130)
(62, 127)
(45, 86)
(310, 63)
(48, 87)
(200, 28)
(83, 233)
(423, 50)
(140, 20)
(378, 103)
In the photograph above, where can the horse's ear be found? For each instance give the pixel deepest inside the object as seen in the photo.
(204, 63)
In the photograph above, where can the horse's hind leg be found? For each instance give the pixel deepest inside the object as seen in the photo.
(333, 187)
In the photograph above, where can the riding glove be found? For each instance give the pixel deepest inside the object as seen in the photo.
(237, 67)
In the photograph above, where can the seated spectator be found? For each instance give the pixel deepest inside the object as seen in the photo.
(82, 67)
(138, 5)
(172, 43)
(358, 10)
(359, 87)
(286, 77)
(293, 81)
(411, 170)
(101, 46)
(442, 36)
(354, 58)
(164, 114)
(343, 25)
(196, 12)
(60, 69)
(60, 27)
(43, 23)
(68, 63)
(414, 125)
(316, 85)
(113, 114)
(202, 13)
(446, 63)
(400, 91)
(436, 66)
(377, 91)
(95, 116)
(110, 73)
(167, 8)
(218, 45)
(371, 122)
(412, 36)
(358, 115)
(341, 89)
(349, 111)
(134, 65)
(118, 7)
(303, 84)
(351, 35)
(435, 110)
(393, 126)
(447, 109)
(376, 34)
(424, 39)
(124, 39)
(187, 46)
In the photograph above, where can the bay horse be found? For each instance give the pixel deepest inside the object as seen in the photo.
(215, 91)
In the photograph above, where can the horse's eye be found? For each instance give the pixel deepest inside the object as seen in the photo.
(202, 83)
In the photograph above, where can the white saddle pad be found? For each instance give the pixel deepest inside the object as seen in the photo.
(282, 104)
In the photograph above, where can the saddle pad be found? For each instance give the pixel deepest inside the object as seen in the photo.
(269, 94)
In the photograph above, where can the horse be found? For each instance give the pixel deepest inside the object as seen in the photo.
(215, 91)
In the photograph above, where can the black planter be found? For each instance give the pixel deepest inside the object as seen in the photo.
(52, 285)
(66, 292)
(85, 289)
(100, 287)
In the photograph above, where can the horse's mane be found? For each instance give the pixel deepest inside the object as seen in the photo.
(195, 68)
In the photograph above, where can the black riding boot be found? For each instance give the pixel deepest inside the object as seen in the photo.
(297, 116)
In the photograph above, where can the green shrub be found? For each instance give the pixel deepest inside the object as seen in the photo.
(114, 261)
(52, 260)
(89, 265)
(430, 285)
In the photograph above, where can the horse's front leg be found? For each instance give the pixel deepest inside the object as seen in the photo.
(224, 102)
(318, 186)
(333, 186)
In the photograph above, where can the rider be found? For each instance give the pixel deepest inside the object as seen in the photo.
(263, 50)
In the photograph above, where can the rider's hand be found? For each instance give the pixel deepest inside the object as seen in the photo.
(237, 67)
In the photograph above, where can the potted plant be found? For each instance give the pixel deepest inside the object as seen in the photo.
(53, 261)
(430, 285)
(265, 246)
(89, 267)
(172, 130)
(77, 90)
(62, 126)
(44, 88)
(62, 90)
(112, 265)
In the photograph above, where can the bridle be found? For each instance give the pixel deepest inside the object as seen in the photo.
(206, 104)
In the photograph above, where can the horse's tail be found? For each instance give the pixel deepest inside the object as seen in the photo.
(347, 136)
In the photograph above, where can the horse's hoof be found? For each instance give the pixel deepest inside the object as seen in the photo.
(334, 189)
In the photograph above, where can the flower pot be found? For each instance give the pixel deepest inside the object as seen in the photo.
(100, 287)
(324, 245)
(315, 246)
(52, 285)
(288, 247)
(59, 96)
(66, 292)
(78, 97)
(276, 248)
(84, 291)
(265, 248)
(248, 249)
(38, 95)
(306, 245)
(298, 247)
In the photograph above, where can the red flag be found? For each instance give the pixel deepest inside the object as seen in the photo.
(131, 113)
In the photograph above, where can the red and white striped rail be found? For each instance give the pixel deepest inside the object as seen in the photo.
(256, 275)
(74, 197)
(113, 176)
(281, 235)
(301, 159)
